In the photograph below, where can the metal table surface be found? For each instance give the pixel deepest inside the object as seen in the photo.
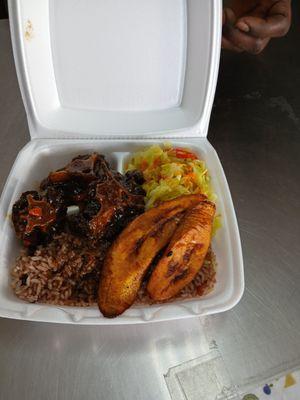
(255, 128)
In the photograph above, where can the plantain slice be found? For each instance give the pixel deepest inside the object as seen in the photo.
(131, 254)
(185, 254)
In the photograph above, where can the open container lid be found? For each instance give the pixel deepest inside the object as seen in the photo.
(117, 68)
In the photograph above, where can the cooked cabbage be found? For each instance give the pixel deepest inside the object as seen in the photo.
(171, 172)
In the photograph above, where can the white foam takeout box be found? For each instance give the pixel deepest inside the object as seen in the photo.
(116, 76)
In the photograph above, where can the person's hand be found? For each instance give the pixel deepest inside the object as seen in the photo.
(249, 25)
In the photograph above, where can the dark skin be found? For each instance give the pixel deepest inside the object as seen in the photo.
(249, 25)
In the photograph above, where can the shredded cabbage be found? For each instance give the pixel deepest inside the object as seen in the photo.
(172, 172)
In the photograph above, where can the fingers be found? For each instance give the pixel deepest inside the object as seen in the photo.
(280, 15)
(227, 45)
(229, 18)
(252, 32)
(276, 22)
(270, 27)
(244, 41)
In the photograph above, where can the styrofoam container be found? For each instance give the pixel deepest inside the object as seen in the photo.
(113, 77)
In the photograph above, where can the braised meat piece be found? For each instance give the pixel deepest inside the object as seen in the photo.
(35, 219)
(87, 168)
(67, 193)
(112, 204)
(117, 207)
(106, 200)
(69, 185)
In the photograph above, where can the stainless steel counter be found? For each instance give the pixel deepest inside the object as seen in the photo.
(255, 128)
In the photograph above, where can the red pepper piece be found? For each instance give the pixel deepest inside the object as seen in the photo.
(144, 165)
(35, 212)
(184, 154)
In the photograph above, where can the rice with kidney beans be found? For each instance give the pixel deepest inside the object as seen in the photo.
(66, 272)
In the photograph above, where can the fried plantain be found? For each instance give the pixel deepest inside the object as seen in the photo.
(131, 254)
(185, 254)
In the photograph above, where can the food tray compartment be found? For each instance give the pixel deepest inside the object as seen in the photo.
(34, 163)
